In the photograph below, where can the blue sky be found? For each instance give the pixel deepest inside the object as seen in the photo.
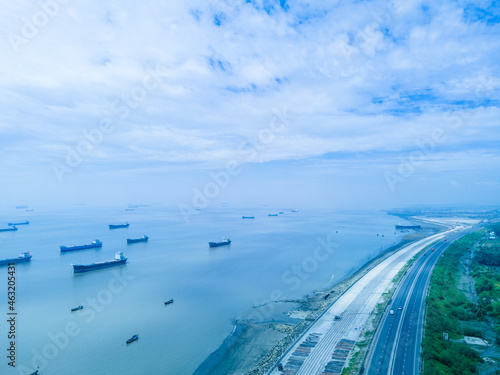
(313, 103)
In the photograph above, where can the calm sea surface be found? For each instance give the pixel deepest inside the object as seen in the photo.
(269, 256)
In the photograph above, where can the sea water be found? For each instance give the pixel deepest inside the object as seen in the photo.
(270, 257)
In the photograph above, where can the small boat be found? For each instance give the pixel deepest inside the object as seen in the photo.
(129, 209)
(11, 229)
(122, 225)
(20, 223)
(95, 243)
(23, 258)
(295, 210)
(119, 259)
(132, 339)
(34, 373)
(272, 215)
(134, 240)
(77, 308)
(169, 302)
(248, 217)
(225, 241)
(30, 211)
(281, 212)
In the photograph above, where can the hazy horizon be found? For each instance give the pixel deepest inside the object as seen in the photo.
(291, 103)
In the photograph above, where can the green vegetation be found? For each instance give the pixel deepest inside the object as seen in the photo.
(487, 280)
(447, 308)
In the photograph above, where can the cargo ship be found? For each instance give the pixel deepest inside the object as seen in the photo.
(11, 229)
(122, 225)
(135, 240)
(272, 215)
(24, 257)
(401, 226)
(225, 241)
(119, 259)
(95, 243)
(248, 217)
(21, 223)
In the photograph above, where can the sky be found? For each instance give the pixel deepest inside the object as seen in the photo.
(337, 104)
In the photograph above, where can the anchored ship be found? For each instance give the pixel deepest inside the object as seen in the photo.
(122, 225)
(21, 223)
(401, 226)
(248, 217)
(225, 241)
(11, 229)
(95, 243)
(119, 259)
(24, 257)
(134, 240)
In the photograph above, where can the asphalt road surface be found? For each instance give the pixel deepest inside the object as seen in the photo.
(395, 348)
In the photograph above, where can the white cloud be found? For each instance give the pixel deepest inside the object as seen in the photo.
(357, 77)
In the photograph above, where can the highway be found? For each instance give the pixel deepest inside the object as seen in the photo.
(324, 347)
(395, 348)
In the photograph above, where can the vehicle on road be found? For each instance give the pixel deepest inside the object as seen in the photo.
(391, 312)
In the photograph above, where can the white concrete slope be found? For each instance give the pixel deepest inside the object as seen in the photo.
(354, 307)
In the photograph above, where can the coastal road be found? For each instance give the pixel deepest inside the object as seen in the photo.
(395, 348)
(324, 347)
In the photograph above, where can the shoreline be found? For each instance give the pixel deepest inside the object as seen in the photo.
(261, 344)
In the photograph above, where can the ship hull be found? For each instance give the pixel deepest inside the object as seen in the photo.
(23, 223)
(408, 227)
(82, 247)
(79, 268)
(8, 229)
(135, 240)
(5, 262)
(112, 226)
(218, 244)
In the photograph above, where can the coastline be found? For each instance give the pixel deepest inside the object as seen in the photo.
(261, 344)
